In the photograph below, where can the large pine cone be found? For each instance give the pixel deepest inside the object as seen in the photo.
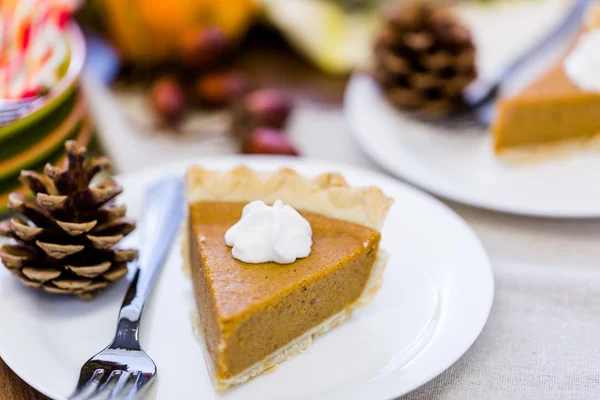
(424, 58)
(63, 239)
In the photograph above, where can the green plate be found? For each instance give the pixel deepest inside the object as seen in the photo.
(41, 138)
(82, 134)
(12, 184)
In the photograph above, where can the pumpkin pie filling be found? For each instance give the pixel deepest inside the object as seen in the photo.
(256, 309)
(252, 316)
(550, 110)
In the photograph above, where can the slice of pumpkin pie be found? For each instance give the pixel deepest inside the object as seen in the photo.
(563, 104)
(277, 259)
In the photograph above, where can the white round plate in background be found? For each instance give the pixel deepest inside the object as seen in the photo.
(459, 164)
(435, 300)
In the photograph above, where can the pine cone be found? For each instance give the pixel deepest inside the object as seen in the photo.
(424, 58)
(62, 240)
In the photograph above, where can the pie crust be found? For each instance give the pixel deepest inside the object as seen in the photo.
(327, 194)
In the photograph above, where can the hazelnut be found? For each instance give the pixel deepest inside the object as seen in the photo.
(168, 99)
(269, 107)
(204, 47)
(265, 140)
(220, 89)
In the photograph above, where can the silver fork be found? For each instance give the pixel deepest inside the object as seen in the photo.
(123, 370)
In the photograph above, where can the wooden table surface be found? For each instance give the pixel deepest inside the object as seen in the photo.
(13, 388)
(271, 63)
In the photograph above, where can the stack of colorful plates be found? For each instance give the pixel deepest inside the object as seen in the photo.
(38, 137)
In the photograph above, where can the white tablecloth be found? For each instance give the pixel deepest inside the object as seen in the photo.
(542, 340)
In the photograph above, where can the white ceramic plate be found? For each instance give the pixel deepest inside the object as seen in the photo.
(459, 164)
(435, 300)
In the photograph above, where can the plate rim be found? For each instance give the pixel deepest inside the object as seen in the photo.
(405, 173)
(273, 162)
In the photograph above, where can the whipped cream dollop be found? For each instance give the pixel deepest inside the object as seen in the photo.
(582, 66)
(264, 234)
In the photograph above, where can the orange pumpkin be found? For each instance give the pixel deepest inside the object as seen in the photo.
(152, 31)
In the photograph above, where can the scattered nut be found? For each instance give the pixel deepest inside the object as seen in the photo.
(269, 107)
(265, 140)
(168, 99)
(204, 48)
(220, 89)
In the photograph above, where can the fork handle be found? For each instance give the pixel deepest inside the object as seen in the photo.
(163, 212)
(481, 94)
(566, 26)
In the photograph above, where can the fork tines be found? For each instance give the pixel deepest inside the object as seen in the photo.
(111, 385)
